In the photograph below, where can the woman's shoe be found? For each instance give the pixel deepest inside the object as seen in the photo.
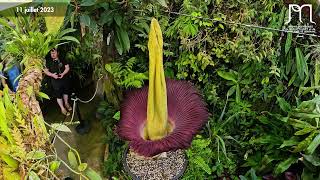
(64, 112)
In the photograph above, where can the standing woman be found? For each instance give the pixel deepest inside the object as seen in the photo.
(58, 71)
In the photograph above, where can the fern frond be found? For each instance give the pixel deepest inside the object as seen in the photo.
(124, 75)
(17, 136)
(18, 117)
(131, 62)
(17, 153)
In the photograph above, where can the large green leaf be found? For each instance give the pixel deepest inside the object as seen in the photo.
(269, 139)
(200, 162)
(301, 63)
(238, 93)
(227, 75)
(124, 38)
(92, 175)
(314, 160)
(118, 45)
(242, 177)
(304, 144)
(33, 176)
(66, 31)
(72, 160)
(5, 23)
(70, 38)
(231, 90)
(60, 127)
(43, 95)
(306, 90)
(293, 78)
(304, 131)
(284, 165)
(288, 43)
(85, 19)
(82, 167)
(317, 73)
(10, 161)
(306, 115)
(118, 19)
(3, 122)
(54, 165)
(35, 155)
(291, 142)
(314, 144)
(88, 21)
(253, 174)
(9, 107)
(284, 105)
(289, 63)
(10, 174)
(88, 2)
(106, 18)
(223, 146)
(122, 41)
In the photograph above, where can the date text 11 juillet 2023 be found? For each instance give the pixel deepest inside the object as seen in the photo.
(32, 9)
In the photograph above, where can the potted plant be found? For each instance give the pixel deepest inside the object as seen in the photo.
(159, 119)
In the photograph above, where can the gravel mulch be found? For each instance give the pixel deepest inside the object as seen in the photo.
(166, 166)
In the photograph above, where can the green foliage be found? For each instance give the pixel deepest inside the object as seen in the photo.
(113, 163)
(199, 157)
(25, 150)
(27, 40)
(267, 124)
(85, 57)
(125, 76)
(19, 150)
(109, 14)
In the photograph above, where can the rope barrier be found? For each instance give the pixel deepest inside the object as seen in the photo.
(83, 101)
(237, 23)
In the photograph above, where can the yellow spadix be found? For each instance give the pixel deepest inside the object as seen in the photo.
(157, 125)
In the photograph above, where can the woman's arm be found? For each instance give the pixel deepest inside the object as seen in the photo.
(48, 73)
(66, 70)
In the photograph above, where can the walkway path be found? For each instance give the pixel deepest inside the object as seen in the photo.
(90, 146)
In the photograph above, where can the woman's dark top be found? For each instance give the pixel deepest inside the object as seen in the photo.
(60, 86)
(57, 66)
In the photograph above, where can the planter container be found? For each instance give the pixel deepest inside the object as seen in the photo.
(134, 177)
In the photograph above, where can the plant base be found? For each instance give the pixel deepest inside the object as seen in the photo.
(169, 167)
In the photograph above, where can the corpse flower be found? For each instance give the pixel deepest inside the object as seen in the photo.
(165, 115)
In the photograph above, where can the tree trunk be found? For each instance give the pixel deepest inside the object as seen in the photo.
(29, 87)
(31, 79)
(112, 93)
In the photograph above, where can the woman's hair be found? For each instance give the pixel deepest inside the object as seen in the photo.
(54, 49)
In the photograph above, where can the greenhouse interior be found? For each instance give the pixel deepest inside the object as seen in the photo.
(159, 90)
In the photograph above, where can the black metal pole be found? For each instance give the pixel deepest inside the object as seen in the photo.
(84, 126)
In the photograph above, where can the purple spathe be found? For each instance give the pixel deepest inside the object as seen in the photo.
(187, 113)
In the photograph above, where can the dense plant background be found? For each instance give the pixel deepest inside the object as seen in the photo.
(261, 86)
(256, 83)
